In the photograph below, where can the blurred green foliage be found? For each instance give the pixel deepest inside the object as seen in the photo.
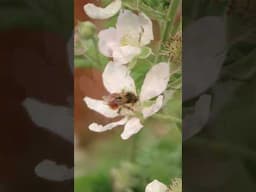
(89, 55)
(155, 157)
(148, 7)
(100, 182)
(157, 4)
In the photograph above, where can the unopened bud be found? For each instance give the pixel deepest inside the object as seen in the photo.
(86, 29)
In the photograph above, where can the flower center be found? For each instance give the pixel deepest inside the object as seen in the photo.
(130, 39)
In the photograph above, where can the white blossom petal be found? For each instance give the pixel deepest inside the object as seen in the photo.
(156, 186)
(125, 54)
(124, 42)
(147, 34)
(149, 111)
(155, 82)
(101, 128)
(128, 23)
(101, 107)
(116, 78)
(132, 127)
(136, 29)
(103, 13)
(108, 41)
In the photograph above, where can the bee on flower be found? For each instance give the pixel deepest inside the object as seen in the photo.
(118, 100)
(124, 101)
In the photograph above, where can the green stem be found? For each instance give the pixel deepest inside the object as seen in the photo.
(172, 10)
(134, 148)
(138, 4)
(132, 64)
(167, 117)
(93, 60)
(176, 28)
(154, 14)
(90, 58)
(95, 43)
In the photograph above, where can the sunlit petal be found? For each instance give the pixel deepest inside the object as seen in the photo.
(116, 78)
(125, 54)
(132, 127)
(136, 29)
(103, 13)
(101, 128)
(155, 82)
(128, 23)
(101, 107)
(156, 186)
(108, 41)
(151, 110)
(147, 34)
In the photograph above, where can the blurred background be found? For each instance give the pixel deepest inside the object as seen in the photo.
(35, 66)
(219, 64)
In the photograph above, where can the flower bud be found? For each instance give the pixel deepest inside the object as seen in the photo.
(86, 29)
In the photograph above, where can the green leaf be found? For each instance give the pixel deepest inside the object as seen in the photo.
(145, 53)
(92, 57)
(139, 72)
(151, 12)
(99, 182)
(81, 62)
(175, 81)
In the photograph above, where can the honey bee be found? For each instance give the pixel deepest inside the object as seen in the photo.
(117, 100)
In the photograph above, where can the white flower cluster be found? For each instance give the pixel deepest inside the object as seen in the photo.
(122, 44)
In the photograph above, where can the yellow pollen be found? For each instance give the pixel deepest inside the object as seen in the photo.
(129, 40)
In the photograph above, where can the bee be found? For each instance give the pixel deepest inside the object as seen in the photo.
(118, 100)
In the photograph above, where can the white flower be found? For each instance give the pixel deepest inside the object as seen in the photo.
(103, 13)
(124, 42)
(156, 186)
(117, 81)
